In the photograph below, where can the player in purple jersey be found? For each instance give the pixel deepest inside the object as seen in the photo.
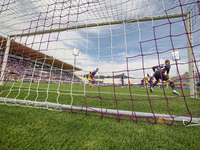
(162, 72)
(122, 79)
(142, 83)
(151, 80)
(92, 77)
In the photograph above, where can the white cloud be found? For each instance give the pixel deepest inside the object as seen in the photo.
(103, 47)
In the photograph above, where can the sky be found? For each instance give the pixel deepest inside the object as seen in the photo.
(130, 48)
(114, 48)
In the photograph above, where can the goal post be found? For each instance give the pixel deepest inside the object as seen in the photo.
(190, 57)
(5, 58)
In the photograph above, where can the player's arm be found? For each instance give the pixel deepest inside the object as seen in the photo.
(154, 68)
(167, 69)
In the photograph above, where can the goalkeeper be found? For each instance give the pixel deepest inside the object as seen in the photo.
(160, 73)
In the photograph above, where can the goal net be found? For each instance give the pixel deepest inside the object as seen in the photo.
(49, 49)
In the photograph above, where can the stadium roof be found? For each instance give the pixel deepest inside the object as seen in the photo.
(26, 52)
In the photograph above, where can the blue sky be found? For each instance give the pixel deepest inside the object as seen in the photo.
(114, 46)
(107, 47)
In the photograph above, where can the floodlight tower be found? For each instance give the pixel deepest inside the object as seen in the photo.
(75, 53)
(176, 57)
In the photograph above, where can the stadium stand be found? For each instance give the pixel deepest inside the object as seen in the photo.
(183, 80)
(24, 66)
(21, 67)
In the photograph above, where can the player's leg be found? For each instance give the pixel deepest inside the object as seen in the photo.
(146, 83)
(157, 77)
(154, 84)
(172, 86)
(93, 81)
(122, 84)
(151, 82)
(90, 80)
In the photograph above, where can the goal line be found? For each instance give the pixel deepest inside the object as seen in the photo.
(102, 110)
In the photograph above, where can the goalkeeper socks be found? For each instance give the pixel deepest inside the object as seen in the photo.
(172, 85)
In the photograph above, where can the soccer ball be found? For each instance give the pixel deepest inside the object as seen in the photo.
(161, 119)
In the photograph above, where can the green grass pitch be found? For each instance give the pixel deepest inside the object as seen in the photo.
(27, 128)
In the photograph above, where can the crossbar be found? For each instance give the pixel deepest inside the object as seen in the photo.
(103, 24)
